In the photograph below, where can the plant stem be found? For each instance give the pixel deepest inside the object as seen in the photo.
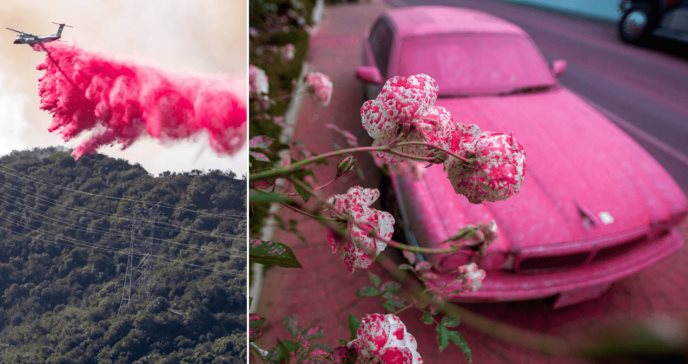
(304, 212)
(437, 148)
(316, 188)
(402, 309)
(347, 218)
(285, 171)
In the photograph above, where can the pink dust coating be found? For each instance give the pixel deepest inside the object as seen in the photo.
(119, 102)
(361, 249)
(384, 339)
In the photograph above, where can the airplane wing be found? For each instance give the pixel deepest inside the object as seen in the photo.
(22, 33)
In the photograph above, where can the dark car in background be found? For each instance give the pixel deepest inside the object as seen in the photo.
(643, 19)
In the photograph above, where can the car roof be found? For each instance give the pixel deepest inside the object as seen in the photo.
(424, 20)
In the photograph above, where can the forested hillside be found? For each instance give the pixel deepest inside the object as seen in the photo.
(68, 230)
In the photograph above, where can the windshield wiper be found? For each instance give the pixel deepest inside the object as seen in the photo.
(526, 90)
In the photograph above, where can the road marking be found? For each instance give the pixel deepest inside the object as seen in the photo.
(640, 133)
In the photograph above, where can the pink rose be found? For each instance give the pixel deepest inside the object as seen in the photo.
(260, 145)
(361, 249)
(404, 112)
(320, 86)
(288, 52)
(384, 338)
(497, 172)
(401, 102)
(470, 277)
(258, 82)
(435, 128)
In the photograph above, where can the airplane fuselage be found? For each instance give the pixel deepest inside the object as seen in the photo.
(31, 39)
(35, 40)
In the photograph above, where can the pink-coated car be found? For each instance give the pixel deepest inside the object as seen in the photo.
(594, 208)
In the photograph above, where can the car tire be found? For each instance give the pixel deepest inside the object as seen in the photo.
(636, 24)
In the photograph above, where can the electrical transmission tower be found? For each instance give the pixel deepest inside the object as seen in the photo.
(137, 277)
(144, 281)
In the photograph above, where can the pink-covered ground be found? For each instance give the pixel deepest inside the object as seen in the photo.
(117, 101)
(324, 292)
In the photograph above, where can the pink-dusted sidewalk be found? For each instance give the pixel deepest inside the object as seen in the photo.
(324, 292)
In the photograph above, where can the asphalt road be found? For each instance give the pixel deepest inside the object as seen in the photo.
(642, 90)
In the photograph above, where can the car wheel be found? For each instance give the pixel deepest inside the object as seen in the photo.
(636, 24)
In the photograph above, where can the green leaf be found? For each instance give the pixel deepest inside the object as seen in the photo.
(374, 279)
(305, 195)
(390, 287)
(427, 318)
(257, 324)
(288, 346)
(459, 341)
(282, 350)
(267, 197)
(272, 253)
(354, 324)
(406, 267)
(368, 292)
(449, 322)
(293, 228)
(291, 325)
(389, 306)
(442, 337)
(298, 180)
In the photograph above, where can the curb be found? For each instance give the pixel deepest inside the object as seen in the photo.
(290, 120)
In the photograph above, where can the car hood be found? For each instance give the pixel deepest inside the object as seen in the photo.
(584, 179)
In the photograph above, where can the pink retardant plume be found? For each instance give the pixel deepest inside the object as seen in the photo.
(119, 102)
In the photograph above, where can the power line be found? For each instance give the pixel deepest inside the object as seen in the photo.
(82, 244)
(56, 202)
(87, 229)
(17, 174)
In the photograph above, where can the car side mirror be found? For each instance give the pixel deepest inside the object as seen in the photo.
(369, 74)
(558, 67)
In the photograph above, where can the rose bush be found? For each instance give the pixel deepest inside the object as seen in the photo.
(407, 128)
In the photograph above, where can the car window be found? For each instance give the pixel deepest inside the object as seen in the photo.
(381, 44)
(470, 64)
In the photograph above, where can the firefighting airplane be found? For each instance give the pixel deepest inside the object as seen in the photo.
(27, 38)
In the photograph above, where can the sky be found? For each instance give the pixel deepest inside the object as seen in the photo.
(177, 35)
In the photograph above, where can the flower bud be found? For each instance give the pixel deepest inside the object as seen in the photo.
(345, 166)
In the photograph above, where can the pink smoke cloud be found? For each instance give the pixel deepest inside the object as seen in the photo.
(118, 102)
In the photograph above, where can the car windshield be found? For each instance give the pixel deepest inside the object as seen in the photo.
(476, 64)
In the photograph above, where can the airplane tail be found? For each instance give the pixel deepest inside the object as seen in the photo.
(60, 27)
